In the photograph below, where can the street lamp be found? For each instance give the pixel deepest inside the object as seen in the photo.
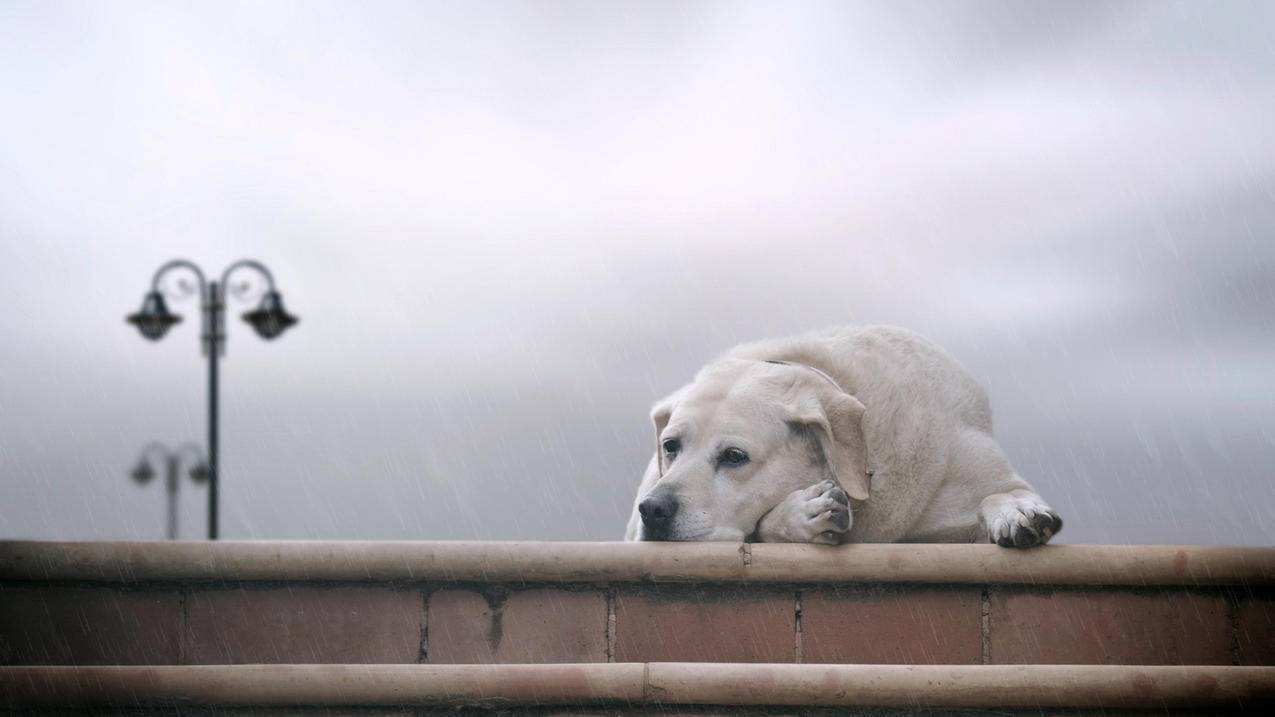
(144, 472)
(269, 320)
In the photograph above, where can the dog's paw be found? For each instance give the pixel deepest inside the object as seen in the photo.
(818, 514)
(1020, 522)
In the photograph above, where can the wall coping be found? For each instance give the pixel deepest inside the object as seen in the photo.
(1000, 686)
(577, 562)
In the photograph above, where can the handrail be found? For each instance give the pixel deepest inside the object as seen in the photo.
(354, 561)
(998, 686)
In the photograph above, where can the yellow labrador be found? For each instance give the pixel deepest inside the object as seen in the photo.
(869, 434)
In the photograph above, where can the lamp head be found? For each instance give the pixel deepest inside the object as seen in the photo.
(153, 320)
(199, 472)
(143, 473)
(270, 319)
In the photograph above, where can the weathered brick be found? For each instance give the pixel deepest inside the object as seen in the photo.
(687, 623)
(537, 625)
(1121, 627)
(1255, 628)
(892, 625)
(304, 624)
(68, 625)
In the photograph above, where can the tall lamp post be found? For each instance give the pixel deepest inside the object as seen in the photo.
(144, 472)
(269, 320)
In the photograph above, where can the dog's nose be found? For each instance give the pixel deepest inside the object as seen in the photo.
(657, 510)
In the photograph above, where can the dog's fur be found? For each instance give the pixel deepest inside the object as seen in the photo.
(875, 414)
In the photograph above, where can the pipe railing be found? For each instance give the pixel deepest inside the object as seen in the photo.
(1126, 565)
(967, 686)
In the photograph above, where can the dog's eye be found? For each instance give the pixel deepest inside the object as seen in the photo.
(672, 446)
(733, 457)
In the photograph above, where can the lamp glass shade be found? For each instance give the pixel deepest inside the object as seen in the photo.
(154, 319)
(143, 473)
(270, 319)
(199, 472)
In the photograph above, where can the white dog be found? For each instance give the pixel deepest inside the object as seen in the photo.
(775, 440)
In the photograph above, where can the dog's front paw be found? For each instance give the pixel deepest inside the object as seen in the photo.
(818, 514)
(1016, 521)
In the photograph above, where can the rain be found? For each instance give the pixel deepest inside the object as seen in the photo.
(509, 228)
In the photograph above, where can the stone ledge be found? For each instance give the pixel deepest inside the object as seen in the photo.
(1026, 686)
(533, 562)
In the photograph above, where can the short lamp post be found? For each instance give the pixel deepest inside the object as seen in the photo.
(144, 472)
(269, 320)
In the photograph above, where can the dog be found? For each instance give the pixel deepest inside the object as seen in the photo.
(852, 435)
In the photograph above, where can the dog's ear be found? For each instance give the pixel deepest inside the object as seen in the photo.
(660, 415)
(836, 418)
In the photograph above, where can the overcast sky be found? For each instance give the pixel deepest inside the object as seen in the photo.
(508, 228)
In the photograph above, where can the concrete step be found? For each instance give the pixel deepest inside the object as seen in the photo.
(652, 684)
(425, 626)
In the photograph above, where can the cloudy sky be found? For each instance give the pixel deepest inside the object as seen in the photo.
(509, 227)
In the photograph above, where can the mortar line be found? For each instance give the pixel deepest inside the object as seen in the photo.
(1233, 621)
(985, 631)
(183, 633)
(796, 652)
(422, 654)
(610, 626)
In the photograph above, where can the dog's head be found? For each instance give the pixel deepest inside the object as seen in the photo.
(741, 437)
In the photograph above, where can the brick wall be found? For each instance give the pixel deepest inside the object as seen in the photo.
(146, 619)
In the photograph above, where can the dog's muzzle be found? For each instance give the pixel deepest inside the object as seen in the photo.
(657, 510)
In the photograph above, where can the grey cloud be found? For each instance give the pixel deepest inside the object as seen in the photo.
(509, 228)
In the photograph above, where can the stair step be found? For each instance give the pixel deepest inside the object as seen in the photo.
(631, 684)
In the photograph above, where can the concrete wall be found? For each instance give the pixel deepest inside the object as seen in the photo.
(146, 616)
